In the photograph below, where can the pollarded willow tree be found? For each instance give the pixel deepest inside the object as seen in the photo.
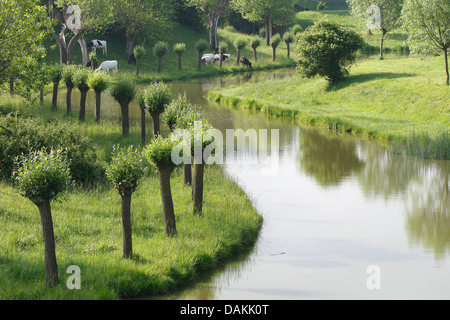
(157, 97)
(123, 91)
(159, 153)
(99, 82)
(269, 12)
(68, 78)
(42, 177)
(80, 79)
(124, 171)
(383, 15)
(428, 23)
(213, 10)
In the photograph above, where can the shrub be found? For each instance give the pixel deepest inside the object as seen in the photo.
(327, 50)
(19, 136)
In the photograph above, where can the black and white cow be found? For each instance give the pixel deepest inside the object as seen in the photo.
(226, 58)
(98, 44)
(245, 61)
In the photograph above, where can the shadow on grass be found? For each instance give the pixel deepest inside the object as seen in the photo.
(367, 77)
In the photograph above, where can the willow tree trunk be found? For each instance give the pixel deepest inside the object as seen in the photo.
(180, 67)
(126, 224)
(159, 63)
(82, 115)
(138, 64)
(69, 100)
(41, 97)
(55, 96)
(238, 56)
(11, 86)
(200, 54)
(187, 174)
(274, 53)
(125, 118)
(213, 18)
(197, 187)
(288, 50)
(166, 197)
(98, 101)
(143, 128)
(255, 55)
(51, 267)
(156, 123)
(446, 64)
(382, 43)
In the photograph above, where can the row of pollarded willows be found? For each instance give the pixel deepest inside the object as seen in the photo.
(42, 176)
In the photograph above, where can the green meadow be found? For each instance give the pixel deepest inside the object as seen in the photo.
(399, 100)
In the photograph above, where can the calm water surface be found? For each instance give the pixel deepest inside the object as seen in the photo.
(333, 206)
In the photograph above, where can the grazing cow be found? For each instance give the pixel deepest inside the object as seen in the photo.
(107, 65)
(98, 44)
(208, 59)
(245, 62)
(226, 58)
(132, 58)
(89, 64)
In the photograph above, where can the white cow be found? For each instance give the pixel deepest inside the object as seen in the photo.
(107, 65)
(208, 59)
(226, 58)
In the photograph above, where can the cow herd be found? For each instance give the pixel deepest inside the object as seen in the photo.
(207, 59)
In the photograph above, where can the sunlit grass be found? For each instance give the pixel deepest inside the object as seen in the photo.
(393, 100)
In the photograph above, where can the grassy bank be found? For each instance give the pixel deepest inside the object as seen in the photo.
(402, 101)
(88, 231)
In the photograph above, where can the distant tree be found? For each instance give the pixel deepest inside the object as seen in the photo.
(99, 82)
(201, 46)
(321, 5)
(179, 49)
(159, 153)
(80, 79)
(139, 52)
(255, 43)
(160, 49)
(389, 13)
(56, 77)
(223, 47)
(141, 18)
(276, 39)
(67, 76)
(157, 97)
(42, 177)
(327, 50)
(428, 23)
(288, 38)
(214, 10)
(123, 92)
(92, 16)
(124, 171)
(266, 11)
(239, 44)
(140, 97)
